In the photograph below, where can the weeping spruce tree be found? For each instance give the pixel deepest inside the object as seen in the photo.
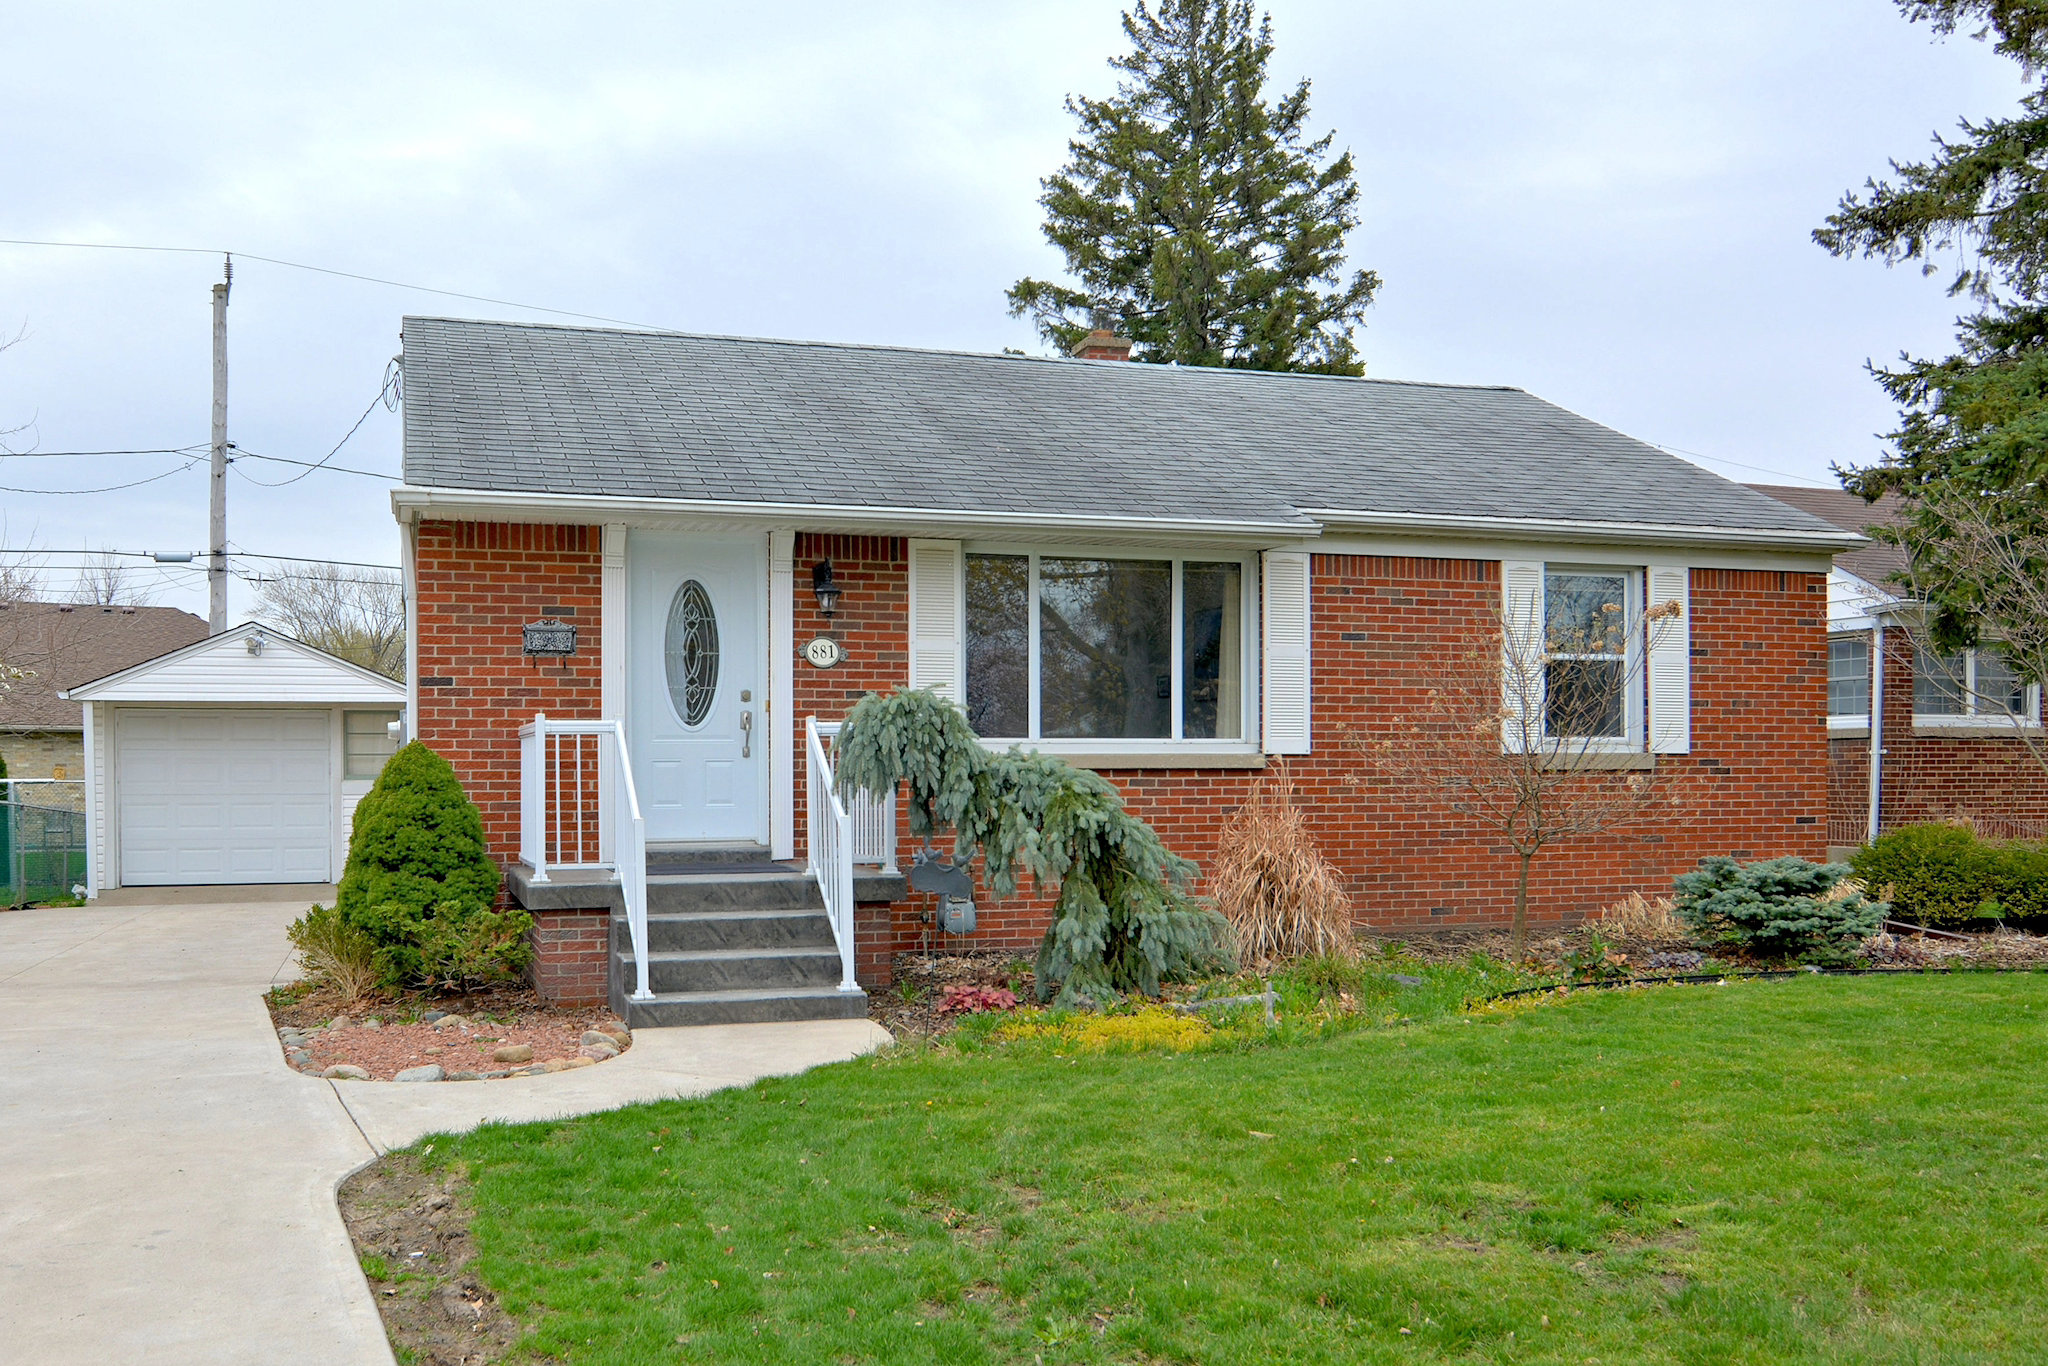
(1194, 215)
(1123, 919)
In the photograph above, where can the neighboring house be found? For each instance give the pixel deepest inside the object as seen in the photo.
(57, 645)
(1950, 744)
(238, 758)
(1176, 576)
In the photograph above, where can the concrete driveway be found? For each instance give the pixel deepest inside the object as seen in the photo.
(167, 1183)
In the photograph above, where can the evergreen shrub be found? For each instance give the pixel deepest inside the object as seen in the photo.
(1777, 909)
(416, 856)
(1943, 875)
(1123, 919)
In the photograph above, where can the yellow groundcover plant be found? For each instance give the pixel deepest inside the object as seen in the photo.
(1152, 1027)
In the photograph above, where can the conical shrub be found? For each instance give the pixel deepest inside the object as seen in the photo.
(418, 844)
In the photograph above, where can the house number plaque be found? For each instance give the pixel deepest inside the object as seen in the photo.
(549, 638)
(823, 651)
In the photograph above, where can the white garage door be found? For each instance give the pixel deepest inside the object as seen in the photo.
(222, 796)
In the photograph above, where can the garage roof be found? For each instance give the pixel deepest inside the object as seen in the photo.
(251, 663)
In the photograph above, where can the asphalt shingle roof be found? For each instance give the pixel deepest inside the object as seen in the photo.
(1875, 563)
(60, 645)
(520, 407)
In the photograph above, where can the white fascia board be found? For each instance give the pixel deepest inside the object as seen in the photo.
(1557, 529)
(125, 686)
(410, 503)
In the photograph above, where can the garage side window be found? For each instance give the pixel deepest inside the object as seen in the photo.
(366, 742)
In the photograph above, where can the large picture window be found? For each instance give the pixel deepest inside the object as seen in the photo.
(1103, 647)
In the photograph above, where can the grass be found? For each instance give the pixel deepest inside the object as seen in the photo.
(1814, 1170)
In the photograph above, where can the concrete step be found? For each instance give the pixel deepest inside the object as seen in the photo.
(735, 969)
(769, 929)
(741, 1007)
(686, 893)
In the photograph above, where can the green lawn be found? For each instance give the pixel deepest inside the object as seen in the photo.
(1820, 1169)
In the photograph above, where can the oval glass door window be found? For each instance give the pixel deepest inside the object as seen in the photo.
(691, 649)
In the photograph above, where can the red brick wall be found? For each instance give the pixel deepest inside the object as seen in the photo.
(1848, 789)
(572, 956)
(1930, 776)
(1754, 785)
(479, 584)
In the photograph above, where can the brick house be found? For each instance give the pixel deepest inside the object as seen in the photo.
(1948, 741)
(1175, 576)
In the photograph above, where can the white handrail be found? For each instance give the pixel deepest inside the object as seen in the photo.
(828, 847)
(557, 778)
(874, 818)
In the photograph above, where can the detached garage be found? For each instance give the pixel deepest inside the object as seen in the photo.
(236, 759)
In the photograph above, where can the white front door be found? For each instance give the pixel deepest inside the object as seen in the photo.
(695, 715)
(210, 794)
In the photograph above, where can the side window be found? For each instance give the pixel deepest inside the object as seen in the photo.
(366, 742)
(1849, 676)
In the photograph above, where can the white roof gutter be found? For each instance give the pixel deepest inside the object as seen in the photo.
(1560, 529)
(411, 502)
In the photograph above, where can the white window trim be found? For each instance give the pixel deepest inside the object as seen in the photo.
(1850, 725)
(1634, 662)
(1085, 747)
(1996, 722)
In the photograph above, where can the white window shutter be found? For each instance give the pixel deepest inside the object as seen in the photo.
(1670, 660)
(938, 651)
(1521, 724)
(1285, 652)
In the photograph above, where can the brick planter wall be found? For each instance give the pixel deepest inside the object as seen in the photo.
(571, 956)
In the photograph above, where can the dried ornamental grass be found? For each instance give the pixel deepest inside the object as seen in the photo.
(1274, 886)
(1636, 916)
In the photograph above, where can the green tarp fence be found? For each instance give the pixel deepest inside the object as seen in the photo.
(42, 852)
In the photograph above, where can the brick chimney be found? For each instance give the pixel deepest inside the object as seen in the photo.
(1102, 344)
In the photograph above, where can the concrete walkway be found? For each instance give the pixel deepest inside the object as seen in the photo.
(167, 1183)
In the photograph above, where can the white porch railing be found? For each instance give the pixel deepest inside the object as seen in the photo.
(874, 818)
(578, 812)
(828, 846)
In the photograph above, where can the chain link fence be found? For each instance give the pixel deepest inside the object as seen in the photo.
(42, 840)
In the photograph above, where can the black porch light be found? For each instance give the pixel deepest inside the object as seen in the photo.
(825, 587)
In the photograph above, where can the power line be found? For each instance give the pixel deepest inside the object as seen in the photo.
(340, 274)
(1724, 460)
(141, 450)
(308, 465)
(40, 551)
(110, 488)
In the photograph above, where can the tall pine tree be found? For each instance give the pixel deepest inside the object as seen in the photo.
(1970, 459)
(1193, 215)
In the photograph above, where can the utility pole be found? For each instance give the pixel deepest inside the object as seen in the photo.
(217, 521)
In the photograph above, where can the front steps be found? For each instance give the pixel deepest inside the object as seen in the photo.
(731, 942)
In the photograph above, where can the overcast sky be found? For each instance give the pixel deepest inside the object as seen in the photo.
(1607, 204)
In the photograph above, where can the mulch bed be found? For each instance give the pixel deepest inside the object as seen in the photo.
(911, 1006)
(403, 1039)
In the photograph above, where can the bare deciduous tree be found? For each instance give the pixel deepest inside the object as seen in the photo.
(357, 614)
(106, 581)
(1521, 730)
(1992, 549)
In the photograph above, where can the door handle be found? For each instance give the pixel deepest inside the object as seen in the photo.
(746, 735)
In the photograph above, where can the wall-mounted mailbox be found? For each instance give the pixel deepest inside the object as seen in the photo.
(549, 638)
